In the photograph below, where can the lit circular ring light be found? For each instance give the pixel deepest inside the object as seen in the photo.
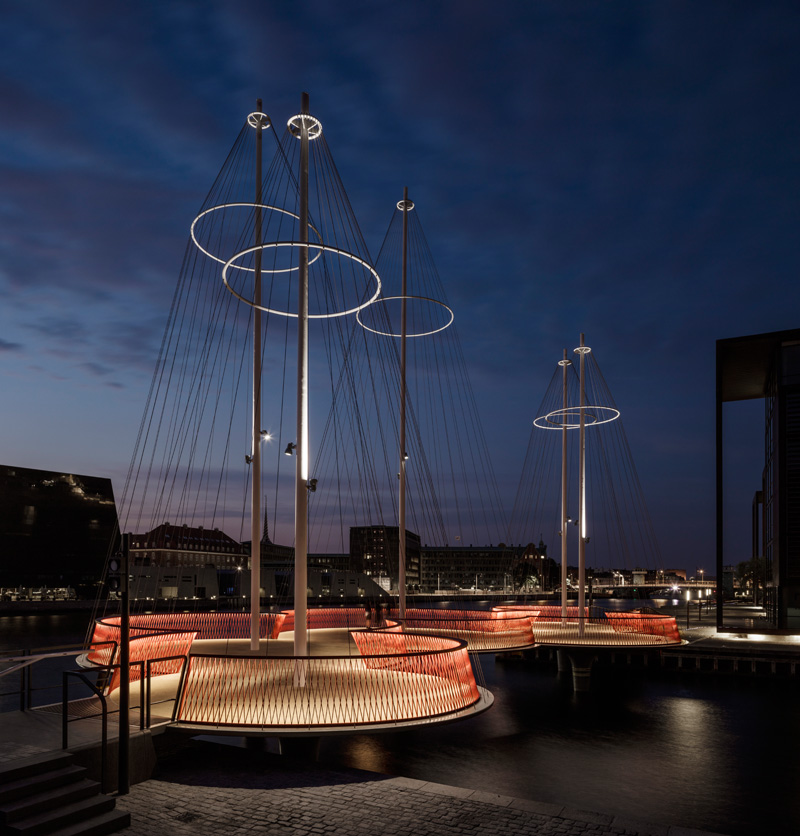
(257, 119)
(313, 125)
(593, 416)
(408, 205)
(323, 248)
(421, 333)
(253, 206)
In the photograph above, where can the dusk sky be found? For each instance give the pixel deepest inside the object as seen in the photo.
(630, 170)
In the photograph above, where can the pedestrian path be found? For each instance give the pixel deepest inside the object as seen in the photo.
(222, 791)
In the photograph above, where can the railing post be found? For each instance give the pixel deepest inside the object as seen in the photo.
(141, 694)
(22, 681)
(64, 715)
(147, 697)
(123, 769)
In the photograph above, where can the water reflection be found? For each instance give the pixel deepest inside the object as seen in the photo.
(696, 752)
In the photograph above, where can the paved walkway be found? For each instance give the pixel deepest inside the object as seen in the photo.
(241, 793)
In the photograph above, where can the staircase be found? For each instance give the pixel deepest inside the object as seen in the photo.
(49, 795)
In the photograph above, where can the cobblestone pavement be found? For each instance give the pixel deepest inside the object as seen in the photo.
(247, 793)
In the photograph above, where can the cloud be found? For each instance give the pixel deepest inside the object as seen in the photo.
(6, 346)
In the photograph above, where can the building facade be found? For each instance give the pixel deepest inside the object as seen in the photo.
(56, 529)
(186, 546)
(767, 367)
(375, 550)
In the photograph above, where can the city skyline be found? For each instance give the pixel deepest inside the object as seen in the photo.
(625, 171)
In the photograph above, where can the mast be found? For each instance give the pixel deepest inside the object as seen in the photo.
(582, 351)
(403, 335)
(564, 363)
(301, 469)
(255, 497)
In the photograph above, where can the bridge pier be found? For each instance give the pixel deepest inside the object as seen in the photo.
(582, 661)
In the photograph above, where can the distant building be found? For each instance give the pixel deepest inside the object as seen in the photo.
(489, 568)
(56, 529)
(375, 549)
(186, 546)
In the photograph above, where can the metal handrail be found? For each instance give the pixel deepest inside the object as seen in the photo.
(26, 659)
(65, 720)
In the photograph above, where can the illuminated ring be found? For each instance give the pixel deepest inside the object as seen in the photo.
(544, 422)
(422, 333)
(254, 206)
(405, 204)
(322, 248)
(295, 125)
(257, 119)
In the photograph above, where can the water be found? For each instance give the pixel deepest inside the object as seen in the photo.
(41, 633)
(699, 752)
(691, 750)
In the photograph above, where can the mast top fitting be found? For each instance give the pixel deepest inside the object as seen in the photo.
(405, 205)
(311, 123)
(257, 119)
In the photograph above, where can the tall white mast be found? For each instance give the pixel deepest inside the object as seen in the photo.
(582, 351)
(255, 498)
(405, 205)
(301, 470)
(564, 363)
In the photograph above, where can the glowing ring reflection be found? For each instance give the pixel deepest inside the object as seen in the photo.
(422, 333)
(544, 422)
(252, 206)
(314, 128)
(405, 204)
(323, 248)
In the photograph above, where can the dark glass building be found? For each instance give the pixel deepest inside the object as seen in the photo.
(767, 366)
(55, 528)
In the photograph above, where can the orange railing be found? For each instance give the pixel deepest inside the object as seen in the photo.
(421, 677)
(483, 631)
(601, 628)
(664, 626)
(145, 644)
(156, 635)
(326, 618)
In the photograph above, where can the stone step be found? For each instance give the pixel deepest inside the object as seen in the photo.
(22, 767)
(32, 784)
(47, 821)
(48, 799)
(109, 822)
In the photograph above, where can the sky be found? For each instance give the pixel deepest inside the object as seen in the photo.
(629, 170)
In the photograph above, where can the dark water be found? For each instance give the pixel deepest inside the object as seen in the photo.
(41, 633)
(707, 752)
(699, 752)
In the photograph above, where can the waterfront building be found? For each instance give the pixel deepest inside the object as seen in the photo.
(493, 568)
(186, 546)
(55, 528)
(767, 367)
(374, 550)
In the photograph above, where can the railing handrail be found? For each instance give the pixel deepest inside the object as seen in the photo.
(65, 720)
